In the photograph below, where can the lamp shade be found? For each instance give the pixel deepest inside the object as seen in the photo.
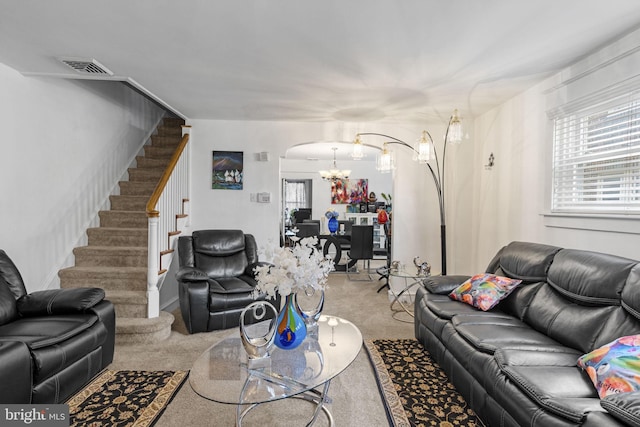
(385, 162)
(455, 129)
(422, 149)
(358, 150)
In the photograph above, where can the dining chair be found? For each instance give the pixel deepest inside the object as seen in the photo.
(345, 225)
(361, 248)
(308, 229)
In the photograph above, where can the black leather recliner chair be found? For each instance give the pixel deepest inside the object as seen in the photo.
(52, 342)
(216, 279)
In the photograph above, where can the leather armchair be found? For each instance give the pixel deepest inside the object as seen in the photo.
(52, 342)
(216, 279)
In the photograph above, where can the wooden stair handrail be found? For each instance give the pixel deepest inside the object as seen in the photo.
(153, 201)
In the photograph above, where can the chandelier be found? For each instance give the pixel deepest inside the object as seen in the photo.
(334, 173)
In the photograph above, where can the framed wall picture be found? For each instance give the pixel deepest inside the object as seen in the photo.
(227, 170)
(349, 191)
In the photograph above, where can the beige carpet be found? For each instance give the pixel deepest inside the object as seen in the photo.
(356, 400)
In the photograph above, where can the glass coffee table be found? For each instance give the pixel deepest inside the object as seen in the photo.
(221, 373)
(410, 280)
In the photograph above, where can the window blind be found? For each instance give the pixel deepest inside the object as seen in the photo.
(297, 194)
(596, 159)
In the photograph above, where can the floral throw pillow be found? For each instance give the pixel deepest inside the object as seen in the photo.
(614, 367)
(484, 291)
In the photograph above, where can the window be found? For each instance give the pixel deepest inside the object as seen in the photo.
(297, 194)
(596, 159)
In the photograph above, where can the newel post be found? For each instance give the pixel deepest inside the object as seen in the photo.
(153, 294)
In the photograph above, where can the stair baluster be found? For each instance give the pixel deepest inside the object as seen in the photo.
(165, 206)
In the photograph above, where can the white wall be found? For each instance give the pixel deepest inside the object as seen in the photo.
(416, 229)
(233, 208)
(65, 144)
(509, 201)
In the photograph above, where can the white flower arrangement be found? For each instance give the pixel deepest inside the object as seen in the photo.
(293, 269)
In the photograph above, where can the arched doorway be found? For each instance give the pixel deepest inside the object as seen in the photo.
(299, 171)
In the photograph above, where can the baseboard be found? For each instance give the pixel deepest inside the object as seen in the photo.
(171, 305)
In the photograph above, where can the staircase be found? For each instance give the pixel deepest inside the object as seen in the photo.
(115, 258)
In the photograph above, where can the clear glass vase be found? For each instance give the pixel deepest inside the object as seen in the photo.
(310, 304)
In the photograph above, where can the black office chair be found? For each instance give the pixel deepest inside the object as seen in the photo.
(301, 214)
(361, 247)
(314, 221)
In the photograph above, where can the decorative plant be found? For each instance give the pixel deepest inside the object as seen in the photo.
(386, 197)
(293, 269)
(331, 213)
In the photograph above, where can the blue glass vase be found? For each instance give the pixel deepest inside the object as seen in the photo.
(290, 327)
(333, 225)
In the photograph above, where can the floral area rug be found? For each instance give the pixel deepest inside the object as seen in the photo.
(416, 391)
(125, 398)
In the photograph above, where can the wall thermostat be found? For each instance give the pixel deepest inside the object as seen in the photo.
(264, 197)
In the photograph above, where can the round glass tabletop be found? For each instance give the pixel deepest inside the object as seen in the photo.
(222, 373)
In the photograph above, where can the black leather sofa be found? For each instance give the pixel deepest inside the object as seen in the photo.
(516, 363)
(52, 342)
(216, 279)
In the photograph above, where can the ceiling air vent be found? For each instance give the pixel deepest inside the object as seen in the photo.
(86, 66)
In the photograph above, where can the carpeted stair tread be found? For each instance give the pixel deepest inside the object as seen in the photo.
(127, 297)
(158, 152)
(112, 249)
(145, 174)
(107, 278)
(146, 162)
(118, 236)
(128, 203)
(170, 128)
(110, 256)
(134, 325)
(136, 188)
(166, 140)
(123, 219)
(128, 304)
(143, 330)
(168, 131)
(172, 121)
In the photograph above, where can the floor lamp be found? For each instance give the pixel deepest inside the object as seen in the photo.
(423, 152)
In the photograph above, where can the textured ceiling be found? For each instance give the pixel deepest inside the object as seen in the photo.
(353, 61)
